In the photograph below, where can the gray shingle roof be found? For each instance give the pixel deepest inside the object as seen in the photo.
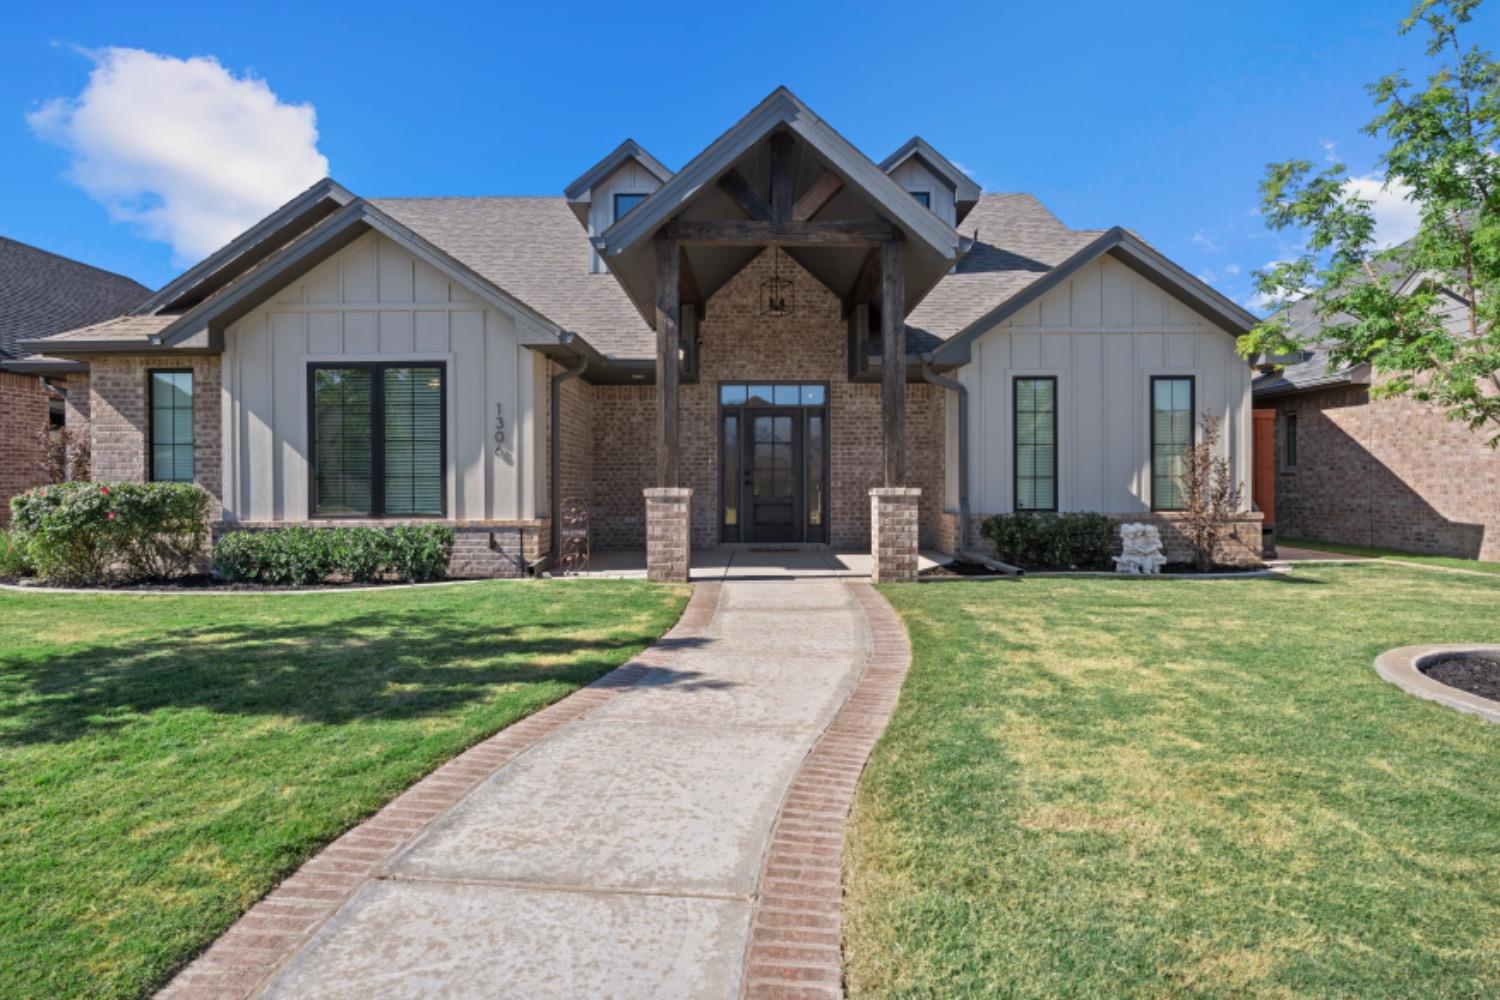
(1019, 242)
(119, 329)
(534, 249)
(42, 293)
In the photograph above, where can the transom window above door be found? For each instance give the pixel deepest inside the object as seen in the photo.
(773, 394)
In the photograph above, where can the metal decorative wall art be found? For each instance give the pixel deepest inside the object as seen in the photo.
(573, 536)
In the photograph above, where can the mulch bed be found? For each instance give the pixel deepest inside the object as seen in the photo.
(1475, 673)
(959, 568)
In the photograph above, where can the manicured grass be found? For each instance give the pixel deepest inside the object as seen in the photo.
(1449, 562)
(1131, 788)
(166, 760)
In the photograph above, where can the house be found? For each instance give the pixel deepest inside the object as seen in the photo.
(1390, 473)
(41, 294)
(782, 342)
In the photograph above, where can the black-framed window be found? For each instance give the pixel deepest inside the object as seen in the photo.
(171, 400)
(773, 394)
(625, 202)
(379, 441)
(1171, 436)
(1035, 438)
(1289, 449)
(924, 198)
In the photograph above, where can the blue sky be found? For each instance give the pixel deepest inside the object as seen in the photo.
(1156, 117)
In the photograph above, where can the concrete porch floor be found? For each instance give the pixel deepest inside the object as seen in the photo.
(732, 562)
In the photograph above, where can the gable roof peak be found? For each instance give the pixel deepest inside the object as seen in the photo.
(579, 189)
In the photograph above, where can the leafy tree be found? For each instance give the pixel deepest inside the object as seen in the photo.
(1422, 314)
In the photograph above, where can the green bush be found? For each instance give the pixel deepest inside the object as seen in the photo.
(300, 556)
(1037, 540)
(14, 560)
(90, 534)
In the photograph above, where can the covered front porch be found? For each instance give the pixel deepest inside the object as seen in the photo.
(848, 254)
(741, 562)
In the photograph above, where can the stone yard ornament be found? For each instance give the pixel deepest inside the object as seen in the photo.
(1140, 550)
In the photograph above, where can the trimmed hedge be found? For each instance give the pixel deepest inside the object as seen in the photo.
(13, 558)
(91, 534)
(300, 556)
(1038, 540)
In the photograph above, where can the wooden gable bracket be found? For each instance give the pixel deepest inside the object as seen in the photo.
(735, 185)
(815, 197)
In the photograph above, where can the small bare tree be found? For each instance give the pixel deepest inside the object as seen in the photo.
(65, 454)
(1210, 494)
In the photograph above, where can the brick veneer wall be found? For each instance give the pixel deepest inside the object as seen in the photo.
(739, 344)
(76, 411)
(1392, 473)
(118, 419)
(24, 405)
(894, 514)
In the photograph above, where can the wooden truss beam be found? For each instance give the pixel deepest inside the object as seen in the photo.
(752, 204)
(743, 232)
(815, 197)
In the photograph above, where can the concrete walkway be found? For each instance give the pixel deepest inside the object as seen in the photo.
(619, 855)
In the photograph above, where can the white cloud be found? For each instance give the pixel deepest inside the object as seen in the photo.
(182, 147)
(1258, 302)
(1231, 269)
(1202, 239)
(1396, 219)
(1329, 147)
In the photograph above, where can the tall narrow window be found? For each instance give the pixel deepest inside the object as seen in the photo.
(378, 440)
(1289, 453)
(1171, 437)
(1035, 433)
(172, 426)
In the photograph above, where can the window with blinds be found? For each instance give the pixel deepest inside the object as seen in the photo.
(171, 426)
(1036, 443)
(1171, 437)
(378, 441)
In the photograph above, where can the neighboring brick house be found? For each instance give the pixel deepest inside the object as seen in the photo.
(41, 294)
(1391, 473)
(784, 342)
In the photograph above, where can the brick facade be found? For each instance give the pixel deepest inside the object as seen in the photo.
(894, 515)
(118, 387)
(1392, 473)
(669, 546)
(739, 344)
(24, 407)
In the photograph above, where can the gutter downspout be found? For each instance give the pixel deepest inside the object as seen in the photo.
(963, 467)
(554, 445)
(963, 445)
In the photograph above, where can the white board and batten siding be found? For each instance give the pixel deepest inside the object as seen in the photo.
(374, 302)
(1103, 334)
(630, 178)
(913, 176)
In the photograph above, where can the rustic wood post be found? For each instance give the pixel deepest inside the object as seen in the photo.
(893, 362)
(667, 344)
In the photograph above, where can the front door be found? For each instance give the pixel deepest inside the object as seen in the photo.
(773, 462)
(773, 481)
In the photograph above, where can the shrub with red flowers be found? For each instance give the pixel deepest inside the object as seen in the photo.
(92, 534)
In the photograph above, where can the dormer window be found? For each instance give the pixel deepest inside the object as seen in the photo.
(625, 202)
(924, 198)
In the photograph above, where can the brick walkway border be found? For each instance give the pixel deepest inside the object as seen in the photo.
(796, 926)
(273, 930)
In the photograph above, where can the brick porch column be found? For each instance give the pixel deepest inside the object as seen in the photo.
(893, 533)
(669, 550)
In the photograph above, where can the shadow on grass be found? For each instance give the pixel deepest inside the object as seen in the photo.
(369, 667)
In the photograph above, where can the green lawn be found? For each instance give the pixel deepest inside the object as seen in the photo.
(1448, 562)
(1130, 788)
(165, 760)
